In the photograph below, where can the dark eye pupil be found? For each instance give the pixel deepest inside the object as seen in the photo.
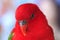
(32, 16)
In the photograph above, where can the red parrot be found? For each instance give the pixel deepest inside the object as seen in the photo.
(31, 24)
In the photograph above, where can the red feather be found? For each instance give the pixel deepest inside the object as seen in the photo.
(38, 28)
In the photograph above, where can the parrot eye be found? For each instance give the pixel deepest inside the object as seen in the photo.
(23, 22)
(32, 16)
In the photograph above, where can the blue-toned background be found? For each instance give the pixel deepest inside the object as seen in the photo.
(48, 7)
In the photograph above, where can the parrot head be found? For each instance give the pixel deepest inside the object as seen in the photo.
(29, 16)
(26, 13)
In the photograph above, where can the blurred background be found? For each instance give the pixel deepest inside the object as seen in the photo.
(50, 8)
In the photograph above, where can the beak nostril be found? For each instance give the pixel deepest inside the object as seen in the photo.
(23, 22)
